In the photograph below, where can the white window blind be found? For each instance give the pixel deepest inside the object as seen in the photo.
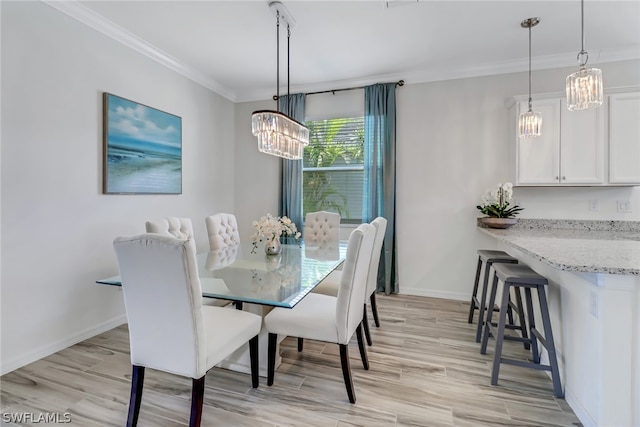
(333, 168)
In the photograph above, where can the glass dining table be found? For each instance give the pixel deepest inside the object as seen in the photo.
(238, 275)
(257, 283)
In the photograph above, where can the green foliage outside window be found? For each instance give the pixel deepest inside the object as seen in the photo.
(332, 167)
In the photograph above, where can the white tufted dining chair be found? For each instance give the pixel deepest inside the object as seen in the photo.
(321, 227)
(328, 318)
(222, 229)
(331, 284)
(169, 328)
(181, 228)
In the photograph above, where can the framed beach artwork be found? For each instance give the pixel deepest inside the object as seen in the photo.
(142, 149)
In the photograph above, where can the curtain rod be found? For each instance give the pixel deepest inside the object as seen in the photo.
(398, 83)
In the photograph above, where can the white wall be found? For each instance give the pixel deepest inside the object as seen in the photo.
(452, 144)
(57, 227)
(257, 175)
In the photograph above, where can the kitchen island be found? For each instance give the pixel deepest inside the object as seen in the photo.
(593, 268)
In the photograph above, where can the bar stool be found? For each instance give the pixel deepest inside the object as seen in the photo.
(488, 257)
(521, 276)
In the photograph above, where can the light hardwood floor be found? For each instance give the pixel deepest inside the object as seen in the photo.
(426, 370)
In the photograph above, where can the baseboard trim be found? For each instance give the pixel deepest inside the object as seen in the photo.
(458, 296)
(39, 353)
(580, 411)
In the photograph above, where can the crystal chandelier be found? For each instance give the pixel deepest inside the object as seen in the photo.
(277, 133)
(530, 123)
(584, 87)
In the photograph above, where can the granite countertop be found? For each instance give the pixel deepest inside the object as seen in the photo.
(610, 247)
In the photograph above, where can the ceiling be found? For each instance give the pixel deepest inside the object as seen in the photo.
(230, 46)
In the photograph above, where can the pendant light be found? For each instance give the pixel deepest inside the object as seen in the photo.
(584, 87)
(530, 123)
(277, 133)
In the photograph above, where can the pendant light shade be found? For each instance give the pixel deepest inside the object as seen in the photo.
(584, 87)
(530, 122)
(277, 133)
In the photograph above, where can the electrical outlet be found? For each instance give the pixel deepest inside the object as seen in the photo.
(593, 205)
(624, 206)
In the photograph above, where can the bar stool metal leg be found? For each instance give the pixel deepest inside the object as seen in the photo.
(549, 343)
(521, 318)
(497, 356)
(532, 326)
(472, 304)
(492, 301)
(483, 305)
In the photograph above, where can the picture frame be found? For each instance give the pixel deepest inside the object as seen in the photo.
(142, 148)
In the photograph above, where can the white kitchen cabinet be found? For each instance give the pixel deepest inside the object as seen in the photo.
(538, 159)
(624, 138)
(570, 150)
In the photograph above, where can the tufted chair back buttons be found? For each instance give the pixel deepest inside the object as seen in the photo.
(222, 229)
(180, 228)
(321, 228)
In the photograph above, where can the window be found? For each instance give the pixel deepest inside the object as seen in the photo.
(332, 168)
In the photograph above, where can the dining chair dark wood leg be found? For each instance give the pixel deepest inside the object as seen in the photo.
(346, 372)
(197, 398)
(374, 309)
(271, 358)
(253, 356)
(363, 348)
(365, 323)
(300, 344)
(137, 380)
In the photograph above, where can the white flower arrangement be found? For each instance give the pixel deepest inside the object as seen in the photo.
(270, 228)
(496, 202)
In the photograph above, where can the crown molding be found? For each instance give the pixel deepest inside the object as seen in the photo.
(507, 67)
(97, 22)
(445, 73)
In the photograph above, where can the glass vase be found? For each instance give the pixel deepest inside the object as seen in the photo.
(272, 246)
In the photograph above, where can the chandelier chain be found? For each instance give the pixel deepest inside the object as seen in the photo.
(288, 60)
(530, 67)
(582, 23)
(279, 134)
(530, 23)
(278, 58)
(530, 122)
(583, 56)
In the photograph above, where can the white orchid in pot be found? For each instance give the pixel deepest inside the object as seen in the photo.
(269, 229)
(496, 203)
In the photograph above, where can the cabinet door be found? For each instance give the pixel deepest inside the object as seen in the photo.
(538, 159)
(581, 145)
(624, 138)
